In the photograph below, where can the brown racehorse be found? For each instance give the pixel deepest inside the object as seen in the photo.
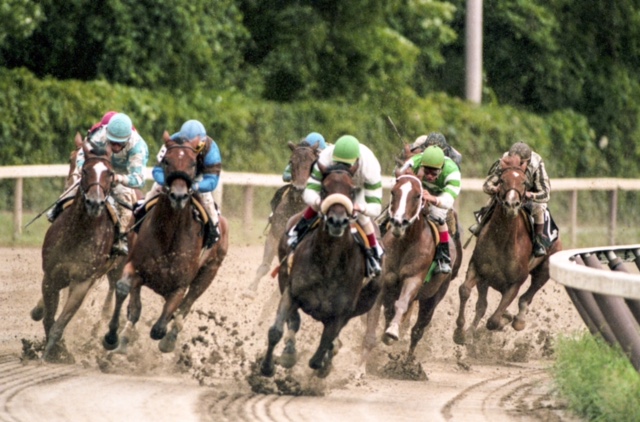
(302, 158)
(168, 255)
(324, 277)
(76, 248)
(502, 258)
(410, 246)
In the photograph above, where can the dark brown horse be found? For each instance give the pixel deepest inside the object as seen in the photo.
(289, 201)
(76, 249)
(410, 244)
(325, 277)
(168, 255)
(502, 258)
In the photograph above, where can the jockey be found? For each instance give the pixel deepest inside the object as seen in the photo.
(437, 139)
(538, 193)
(368, 200)
(312, 139)
(441, 180)
(129, 158)
(207, 172)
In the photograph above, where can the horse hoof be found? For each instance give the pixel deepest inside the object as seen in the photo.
(387, 340)
(518, 324)
(267, 370)
(110, 341)
(37, 313)
(459, 337)
(168, 343)
(393, 332)
(158, 333)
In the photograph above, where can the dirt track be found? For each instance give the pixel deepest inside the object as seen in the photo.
(502, 377)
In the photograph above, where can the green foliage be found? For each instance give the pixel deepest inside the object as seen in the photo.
(19, 18)
(598, 381)
(148, 44)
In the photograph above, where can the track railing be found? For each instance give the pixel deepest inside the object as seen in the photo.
(604, 285)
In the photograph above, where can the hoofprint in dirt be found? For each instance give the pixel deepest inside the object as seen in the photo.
(226, 334)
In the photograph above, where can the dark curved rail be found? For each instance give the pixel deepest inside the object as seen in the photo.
(604, 285)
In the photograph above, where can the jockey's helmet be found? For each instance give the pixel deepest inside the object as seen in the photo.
(437, 139)
(107, 117)
(432, 157)
(192, 128)
(520, 149)
(315, 138)
(347, 150)
(119, 128)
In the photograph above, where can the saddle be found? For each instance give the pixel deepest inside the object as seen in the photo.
(209, 231)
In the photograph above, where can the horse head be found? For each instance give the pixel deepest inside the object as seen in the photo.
(513, 184)
(337, 195)
(406, 203)
(97, 175)
(302, 158)
(180, 165)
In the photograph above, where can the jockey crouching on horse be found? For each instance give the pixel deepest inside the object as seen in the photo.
(437, 139)
(205, 182)
(441, 180)
(368, 199)
(538, 192)
(129, 158)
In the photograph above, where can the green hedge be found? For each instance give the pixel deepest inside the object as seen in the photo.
(40, 118)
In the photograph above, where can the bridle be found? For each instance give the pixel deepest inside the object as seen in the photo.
(503, 193)
(181, 174)
(105, 190)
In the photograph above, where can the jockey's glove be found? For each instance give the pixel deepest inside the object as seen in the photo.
(119, 179)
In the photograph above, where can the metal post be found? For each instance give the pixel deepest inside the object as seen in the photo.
(574, 218)
(613, 213)
(473, 51)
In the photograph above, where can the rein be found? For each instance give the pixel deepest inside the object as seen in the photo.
(420, 208)
(179, 174)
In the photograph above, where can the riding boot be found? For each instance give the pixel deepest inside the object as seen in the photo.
(299, 231)
(54, 212)
(373, 261)
(539, 248)
(443, 259)
(213, 235)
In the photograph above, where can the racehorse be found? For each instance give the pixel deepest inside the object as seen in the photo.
(502, 258)
(168, 255)
(76, 249)
(325, 276)
(410, 244)
(288, 200)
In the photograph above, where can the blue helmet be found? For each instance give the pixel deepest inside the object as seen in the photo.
(192, 128)
(315, 138)
(119, 128)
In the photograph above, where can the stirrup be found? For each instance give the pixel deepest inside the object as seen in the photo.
(120, 248)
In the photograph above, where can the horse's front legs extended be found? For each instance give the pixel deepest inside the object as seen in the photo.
(539, 277)
(123, 286)
(285, 310)
(321, 359)
(410, 288)
(425, 314)
(498, 319)
(464, 291)
(171, 303)
(289, 356)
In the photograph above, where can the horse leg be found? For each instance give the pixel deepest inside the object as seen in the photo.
(464, 291)
(37, 313)
(285, 310)
(425, 314)
(321, 359)
(498, 320)
(171, 303)
(388, 299)
(369, 340)
(289, 356)
(539, 277)
(107, 306)
(481, 306)
(77, 293)
(410, 289)
(270, 249)
(123, 286)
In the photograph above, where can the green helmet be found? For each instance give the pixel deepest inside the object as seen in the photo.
(347, 150)
(432, 157)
